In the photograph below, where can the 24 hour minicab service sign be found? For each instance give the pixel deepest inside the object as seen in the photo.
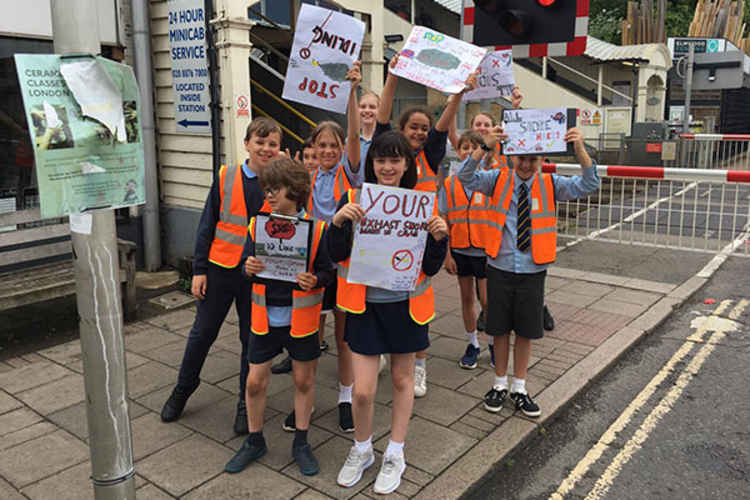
(189, 55)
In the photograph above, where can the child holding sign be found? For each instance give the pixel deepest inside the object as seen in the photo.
(380, 321)
(428, 145)
(520, 234)
(284, 315)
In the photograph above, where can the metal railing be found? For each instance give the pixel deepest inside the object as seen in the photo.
(697, 209)
(713, 151)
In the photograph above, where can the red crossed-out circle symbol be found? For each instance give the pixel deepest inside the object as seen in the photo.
(402, 260)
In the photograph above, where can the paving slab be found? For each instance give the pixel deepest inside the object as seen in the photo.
(146, 341)
(8, 402)
(174, 321)
(71, 484)
(26, 434)
(151, 492)
(33, 460)
(442, 405)
(185, 465)
(148, 378)
(215, 421)
(254, 482)
(56, 395)
(381, 421)
(31, 375)
(8, 492)
(18, 419)
(443, 372)
(150, 434)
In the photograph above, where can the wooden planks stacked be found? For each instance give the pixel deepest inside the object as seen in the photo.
(721, 19)
(645, 22)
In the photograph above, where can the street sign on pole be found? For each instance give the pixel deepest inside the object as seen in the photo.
(189, 55)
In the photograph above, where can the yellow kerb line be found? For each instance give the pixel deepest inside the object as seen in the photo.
(593, 455)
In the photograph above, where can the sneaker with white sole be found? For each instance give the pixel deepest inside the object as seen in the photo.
(356, 463)
(524, 403)
(420, 381)
(389, 477)
(469, 360)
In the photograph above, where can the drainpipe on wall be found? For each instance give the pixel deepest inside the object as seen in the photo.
(144, 75)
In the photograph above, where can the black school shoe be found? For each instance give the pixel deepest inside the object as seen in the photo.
(526, 404)
(494, 399)
(283, 366)
(346, 421)
(306, 461)
(549, 321)
(175, 405)
(240, 420)
(248, 453)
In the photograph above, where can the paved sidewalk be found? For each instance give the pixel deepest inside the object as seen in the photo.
(452, 441)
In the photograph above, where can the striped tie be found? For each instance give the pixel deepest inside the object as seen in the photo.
(524, 221)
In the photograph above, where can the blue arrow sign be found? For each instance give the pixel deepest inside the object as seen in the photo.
(188, 123)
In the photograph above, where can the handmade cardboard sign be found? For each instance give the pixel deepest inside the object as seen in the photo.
(495, 76)
(437, 60)
(389, 241)
(326, 43)
(283, 245)
(538, 131)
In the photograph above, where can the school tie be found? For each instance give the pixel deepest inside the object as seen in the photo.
(524, 221)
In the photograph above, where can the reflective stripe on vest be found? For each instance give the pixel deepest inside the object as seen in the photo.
(543, 217)
(467, 219)
(306, 305)
(351, 297)
(499, 160)
(426, 178)
(341, 186)
(229, 236)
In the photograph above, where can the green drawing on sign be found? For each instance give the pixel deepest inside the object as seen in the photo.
(438, 59)
(334, 71)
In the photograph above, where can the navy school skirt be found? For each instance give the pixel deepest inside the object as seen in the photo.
(385, 328)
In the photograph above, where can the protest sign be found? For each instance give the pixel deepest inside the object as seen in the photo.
(437, 60)
(495, 77)
(283, 245)
(389, 241)
(538, 131)
(83, 117)
(326, 44)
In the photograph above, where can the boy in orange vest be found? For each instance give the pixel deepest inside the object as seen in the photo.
(466, 259)
(235, 196)
(520, 242)
(284, 316)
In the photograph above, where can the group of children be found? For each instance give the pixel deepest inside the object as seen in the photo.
(498, 221)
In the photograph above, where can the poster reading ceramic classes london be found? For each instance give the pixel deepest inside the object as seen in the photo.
(389, 241)
(495, 77)
(437, 60)
(83, 118)
(326, 44)
(282, 244)
(537, 131)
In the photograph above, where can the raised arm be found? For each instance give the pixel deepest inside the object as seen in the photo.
(385, 108)
(451, 108)
(352, 123)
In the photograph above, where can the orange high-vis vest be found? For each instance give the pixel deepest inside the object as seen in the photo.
(426, 177)
(340, 186)
(543, 218)
(351, 297)
(499, 160)
(306, 305)
(467, 218)
(231, 229)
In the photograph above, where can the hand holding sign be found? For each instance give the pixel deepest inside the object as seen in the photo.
(253, 266)
(437, 227)
(307, 281)
(349, 212)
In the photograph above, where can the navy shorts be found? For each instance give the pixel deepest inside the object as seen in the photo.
(265, 347)
(470, 266)
(515, 302)
(385, 328)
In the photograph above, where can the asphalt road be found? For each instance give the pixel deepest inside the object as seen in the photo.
(673, 433)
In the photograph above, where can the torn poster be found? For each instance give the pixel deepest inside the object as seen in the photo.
(83, 119)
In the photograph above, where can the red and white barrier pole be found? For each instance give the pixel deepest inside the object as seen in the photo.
(670, 174)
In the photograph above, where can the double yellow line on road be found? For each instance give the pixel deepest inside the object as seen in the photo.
(714, 323)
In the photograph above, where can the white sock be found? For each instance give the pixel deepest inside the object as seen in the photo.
(364, 446)
(420, 362)
(501, 382)
(345, 393)
(472, 338)
(519, 385)
(394, 449)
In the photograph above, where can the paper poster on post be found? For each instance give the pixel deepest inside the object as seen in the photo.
(326, 44)
(389, 241)
(495, 77)
(437, 60)
(84, 122)
(283, 245)
(538, 131)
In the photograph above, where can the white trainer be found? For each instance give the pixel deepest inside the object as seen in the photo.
(356, 463)
(420, 381)
(389, 477)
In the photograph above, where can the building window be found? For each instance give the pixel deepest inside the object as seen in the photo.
(280, 12)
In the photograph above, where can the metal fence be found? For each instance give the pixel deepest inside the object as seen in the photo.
(690, 209)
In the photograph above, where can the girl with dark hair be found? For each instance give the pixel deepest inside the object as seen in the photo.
(380, 321)
(428, 145)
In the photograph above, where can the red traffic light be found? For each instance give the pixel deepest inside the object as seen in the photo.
(546, 3)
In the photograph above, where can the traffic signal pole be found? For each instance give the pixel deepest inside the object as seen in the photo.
(75, 31)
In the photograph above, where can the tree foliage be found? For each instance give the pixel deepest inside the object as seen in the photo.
(606, 16)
